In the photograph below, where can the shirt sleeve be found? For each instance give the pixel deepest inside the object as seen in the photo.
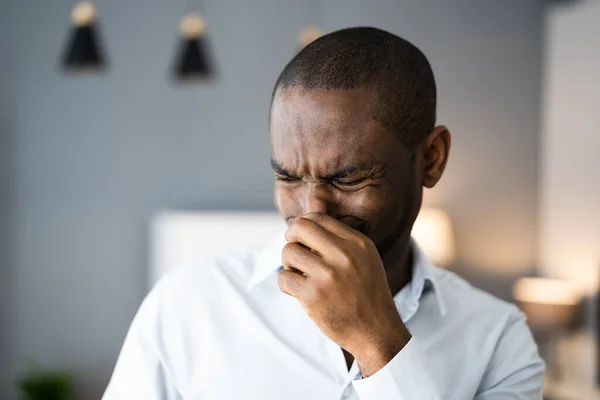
(516, 370)
(140, 372)
(406, 377)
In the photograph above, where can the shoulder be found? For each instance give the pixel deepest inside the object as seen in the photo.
(231, 270)
(497, 330)
(465, 302)
(498, 338)
(197, 290)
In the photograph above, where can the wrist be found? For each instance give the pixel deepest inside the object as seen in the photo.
(375, 354)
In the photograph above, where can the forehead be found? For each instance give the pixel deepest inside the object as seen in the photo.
(333, 126)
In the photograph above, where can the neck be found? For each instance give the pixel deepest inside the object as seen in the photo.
(398, 265)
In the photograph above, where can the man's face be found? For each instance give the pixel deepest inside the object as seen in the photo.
(330, 156)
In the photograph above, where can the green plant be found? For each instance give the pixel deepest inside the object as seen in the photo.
(42, 384)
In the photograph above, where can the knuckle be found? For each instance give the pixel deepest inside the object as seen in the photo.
(315, 216)
(329, 276)
(289, 233)
(363, 244)
(287, 251)
(345, 259)
(281, 282)
(293, 228)
(281, 278)
(285, 282)
(301, 223)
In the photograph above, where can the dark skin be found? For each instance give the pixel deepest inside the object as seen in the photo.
(350, 192)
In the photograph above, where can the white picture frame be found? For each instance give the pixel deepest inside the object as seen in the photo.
(179, 238)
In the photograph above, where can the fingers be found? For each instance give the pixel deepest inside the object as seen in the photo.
(291, 283)
(312, 235)
(336, 227)
(300, 258)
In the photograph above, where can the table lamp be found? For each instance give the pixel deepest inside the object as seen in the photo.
(553, 307)
(433, 232)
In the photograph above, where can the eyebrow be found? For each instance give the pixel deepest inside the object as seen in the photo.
(277, 167)
(344, 172)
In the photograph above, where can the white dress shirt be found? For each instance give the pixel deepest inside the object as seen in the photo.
(224, 331)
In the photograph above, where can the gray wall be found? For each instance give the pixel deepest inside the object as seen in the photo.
(94, 157)
(5, 160)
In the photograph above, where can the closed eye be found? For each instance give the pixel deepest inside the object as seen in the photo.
(285, 178)
(349, 183)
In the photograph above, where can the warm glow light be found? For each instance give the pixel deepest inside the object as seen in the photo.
(433, 232)
(309, 35)
(83, 14)
(547, 291)
(192, 26)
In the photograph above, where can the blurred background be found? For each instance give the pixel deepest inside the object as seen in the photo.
(88, 160)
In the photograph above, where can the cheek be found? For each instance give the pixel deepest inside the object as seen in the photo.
(379, 208)
(368, 204)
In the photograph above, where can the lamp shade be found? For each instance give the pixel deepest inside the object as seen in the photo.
(193, 61)
(433, 232)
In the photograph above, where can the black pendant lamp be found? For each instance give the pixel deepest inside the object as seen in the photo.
(84, 48)
(308, 35)
(192, 60)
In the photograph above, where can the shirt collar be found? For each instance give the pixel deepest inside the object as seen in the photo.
(423, 279)
(268, 261)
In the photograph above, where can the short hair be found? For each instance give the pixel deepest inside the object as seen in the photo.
(397, 71)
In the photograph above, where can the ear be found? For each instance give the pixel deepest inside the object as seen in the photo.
(435, 155)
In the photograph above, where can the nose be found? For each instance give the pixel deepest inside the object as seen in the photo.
(318, 199)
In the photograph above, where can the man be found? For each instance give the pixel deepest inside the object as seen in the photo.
(347, 306)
